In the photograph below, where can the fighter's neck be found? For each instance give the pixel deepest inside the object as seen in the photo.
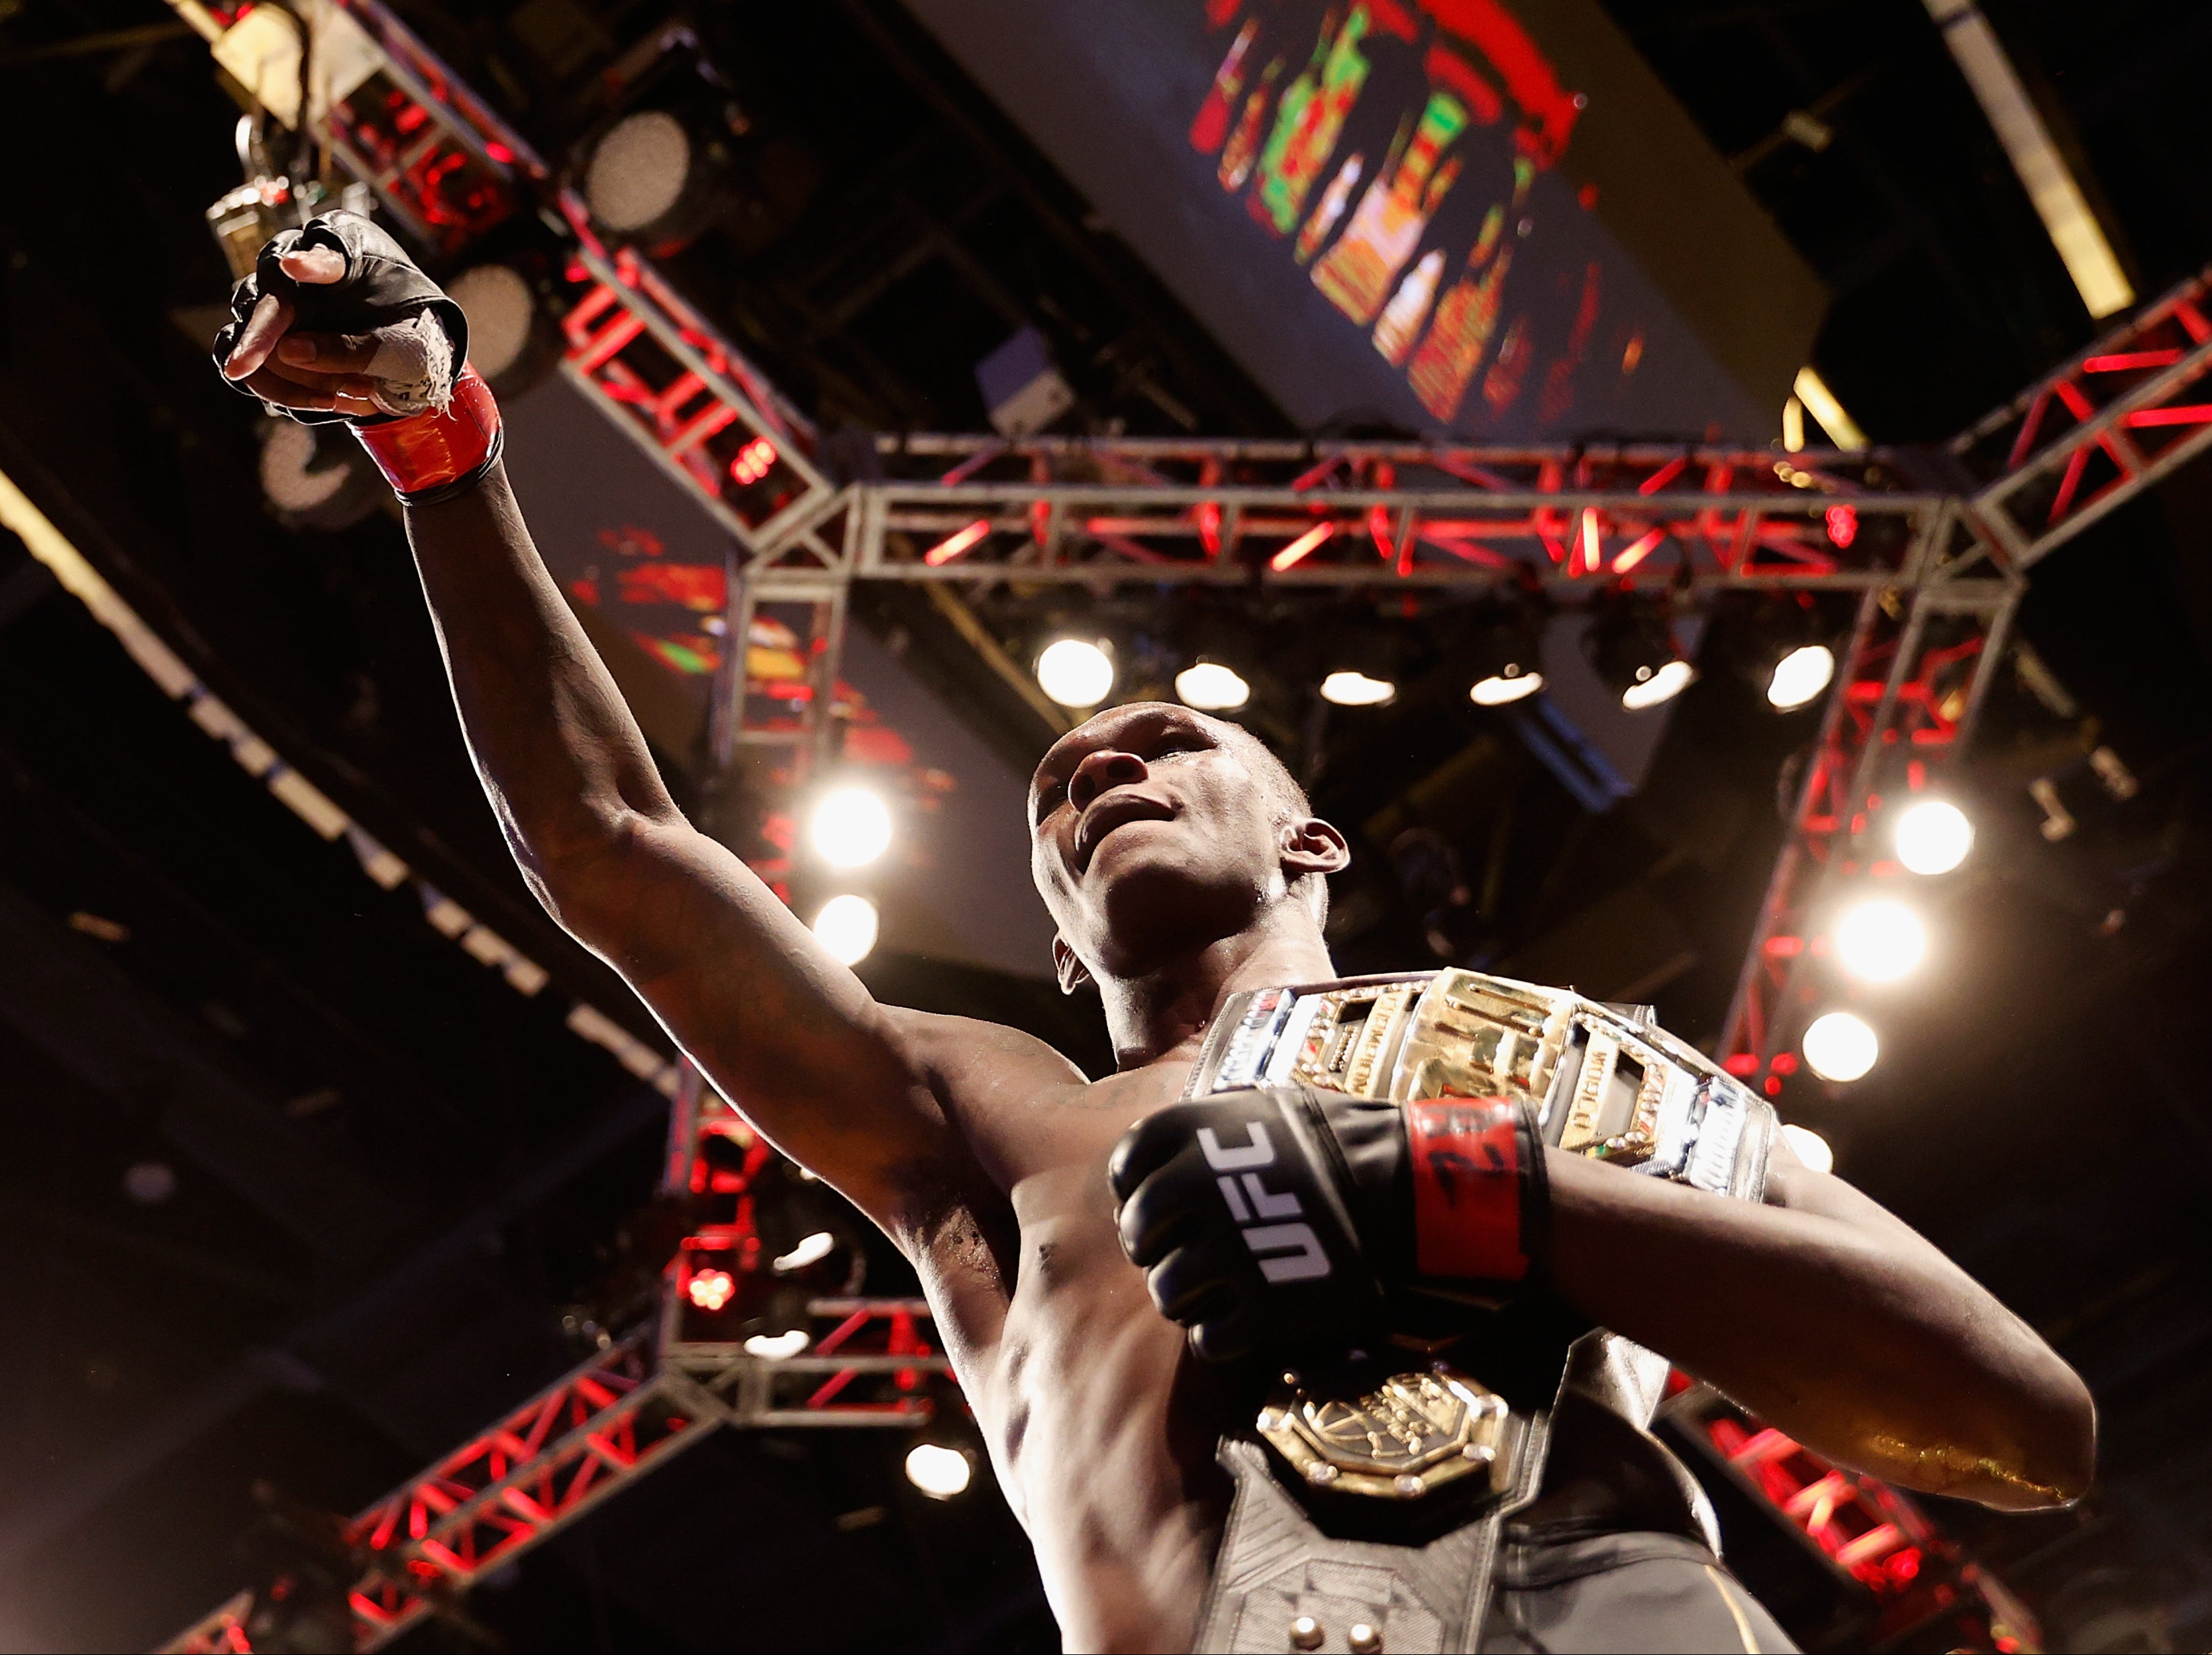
(1166, 1012)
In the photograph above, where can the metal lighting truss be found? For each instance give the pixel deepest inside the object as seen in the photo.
(1938, 574)
(2070, 450)
(637, 1404)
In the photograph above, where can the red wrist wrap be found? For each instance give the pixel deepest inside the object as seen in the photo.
(1474, 1162)
(428, 458)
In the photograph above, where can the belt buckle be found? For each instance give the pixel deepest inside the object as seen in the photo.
(1409, 1435)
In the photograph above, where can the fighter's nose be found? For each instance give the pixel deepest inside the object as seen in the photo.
(1100, 772)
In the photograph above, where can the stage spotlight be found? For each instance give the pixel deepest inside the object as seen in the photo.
(1076, 673)
(1504, 656)
(1933, 837)
(711, 1289)
(1503, 689)
(512, 341)
(1664, 683)
(1211, 688)
(1839, 1046)
(778, 1346)
(312, 480)
(1778, 642)
(1632, 644)
(1881, 940)
(637, 173)
(850, 828)
(1800, 676)
(1810, 1147)
(847, 928)
(938, 1471)
(1355, 688)
(1362, 659)
(811, 1250)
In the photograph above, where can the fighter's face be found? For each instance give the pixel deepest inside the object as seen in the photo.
(1149, 826)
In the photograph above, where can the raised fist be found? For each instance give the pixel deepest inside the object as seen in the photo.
(1250, 1226)
(337, 322)
(1283, 1217)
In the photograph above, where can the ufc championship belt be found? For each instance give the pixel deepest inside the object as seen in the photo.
(1373, 1489)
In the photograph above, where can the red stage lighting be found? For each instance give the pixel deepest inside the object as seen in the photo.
(753, 460)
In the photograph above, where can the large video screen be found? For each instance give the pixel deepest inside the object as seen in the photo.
(1388, 211)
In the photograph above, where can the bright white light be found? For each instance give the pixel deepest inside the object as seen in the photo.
(940, 1473)
(1502, 689)
(1800, 676)
(638, 171)
(847, 928)
(1840, 1047)
(851, 827)
(2051, 184)
(812, 1250)
(499, 304)
(777, 1347)
(1933, 837)
(1664, 685)
(1075, 672)
(1211, 688)
(1810, 1147)
(1881, 940)
(1357, 689)
(1821, 403)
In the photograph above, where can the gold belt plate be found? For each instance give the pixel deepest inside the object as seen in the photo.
(1411, 1434)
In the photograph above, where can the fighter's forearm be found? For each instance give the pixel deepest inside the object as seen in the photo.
(559, 754)
(1832, 1320)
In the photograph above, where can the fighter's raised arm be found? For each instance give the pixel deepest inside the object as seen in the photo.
(792, 1037)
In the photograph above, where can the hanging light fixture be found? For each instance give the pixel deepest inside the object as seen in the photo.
(1632, 644)
(850, 826)
(1363, 661)
(847, 927)
(1504, 656)
(1210, 687)
(1076, 673)
(1839, 1046)
(1933, 837)
(1780, 642)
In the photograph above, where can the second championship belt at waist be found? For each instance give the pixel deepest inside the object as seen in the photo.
(1398, 1468)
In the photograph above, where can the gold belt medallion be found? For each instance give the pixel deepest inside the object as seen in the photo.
(1412, 1433)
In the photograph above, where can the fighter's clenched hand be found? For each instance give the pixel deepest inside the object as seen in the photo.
(1242, 1214)
(1276, 1218)
(317, 372)
(337, 323)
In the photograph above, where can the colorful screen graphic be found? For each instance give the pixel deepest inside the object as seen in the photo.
(1369, 202)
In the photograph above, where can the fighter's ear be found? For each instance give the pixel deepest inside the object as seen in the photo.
(1074, 975)
(1310, 845)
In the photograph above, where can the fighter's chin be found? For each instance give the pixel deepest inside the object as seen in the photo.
(1152, 898)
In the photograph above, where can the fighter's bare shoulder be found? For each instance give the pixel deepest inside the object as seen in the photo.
(967, 1060)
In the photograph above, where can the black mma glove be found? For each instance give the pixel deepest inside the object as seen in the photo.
(440, 433)
(1276, 1218)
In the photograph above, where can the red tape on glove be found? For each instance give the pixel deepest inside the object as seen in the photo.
(428, 458)
(1471, 1178)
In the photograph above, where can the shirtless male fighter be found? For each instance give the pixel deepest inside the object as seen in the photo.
(1182, 866)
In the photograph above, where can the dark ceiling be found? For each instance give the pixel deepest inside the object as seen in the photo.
(394, 1171)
